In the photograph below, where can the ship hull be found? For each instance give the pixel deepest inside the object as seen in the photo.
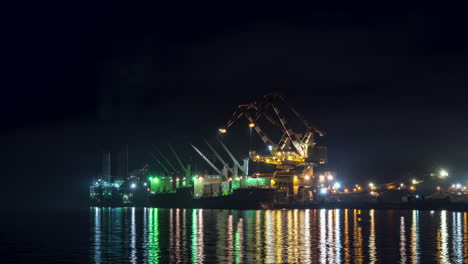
(243, 199)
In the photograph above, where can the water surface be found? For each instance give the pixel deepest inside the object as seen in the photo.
(151, 235)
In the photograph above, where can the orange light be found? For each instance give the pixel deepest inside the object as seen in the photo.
(438, 188)
(345, 190)
(412, 188)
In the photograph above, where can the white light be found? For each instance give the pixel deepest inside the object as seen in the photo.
(458, 186)
(443, 173)
(323, 190)
(133, 185)
(337, 185)
(321, 177)
(307, 177)
(330, 177)
(270, 147)
(144, 184)
(371, 184)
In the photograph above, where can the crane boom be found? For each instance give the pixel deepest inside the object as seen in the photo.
(207, 160)
(290, 133)
(165, 159)
(177, 157)
(231, 156)
(219, 157)
(160, 163)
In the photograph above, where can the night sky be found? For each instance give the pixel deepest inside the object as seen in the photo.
(385, 82)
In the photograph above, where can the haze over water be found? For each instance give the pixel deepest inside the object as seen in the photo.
(151, 235)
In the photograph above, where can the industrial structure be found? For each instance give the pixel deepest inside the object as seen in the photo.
(295, 154)
(289, 150)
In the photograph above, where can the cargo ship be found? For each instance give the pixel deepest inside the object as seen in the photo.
(242, 198)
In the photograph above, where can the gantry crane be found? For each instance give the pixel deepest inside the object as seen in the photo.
(281, 153)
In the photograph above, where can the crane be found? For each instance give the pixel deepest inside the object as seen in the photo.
(268, 108)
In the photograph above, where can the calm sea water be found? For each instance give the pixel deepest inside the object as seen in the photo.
(151, 235)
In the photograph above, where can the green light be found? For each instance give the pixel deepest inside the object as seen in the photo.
(153, 236)
(156, 180)
(150, 178)
(194, 178)
(194, 237)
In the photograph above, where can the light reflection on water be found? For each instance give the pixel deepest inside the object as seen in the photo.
(152, 235)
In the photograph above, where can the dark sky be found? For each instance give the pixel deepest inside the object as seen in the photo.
(385, 82)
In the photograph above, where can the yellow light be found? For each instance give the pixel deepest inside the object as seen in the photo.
(354, 189)
(438, 188)
(295, 177)
(251, 125)
(222, 130)
(272, 181)
(345, 190)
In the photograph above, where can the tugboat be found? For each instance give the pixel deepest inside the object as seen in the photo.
(124, 190)
(118, 194)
